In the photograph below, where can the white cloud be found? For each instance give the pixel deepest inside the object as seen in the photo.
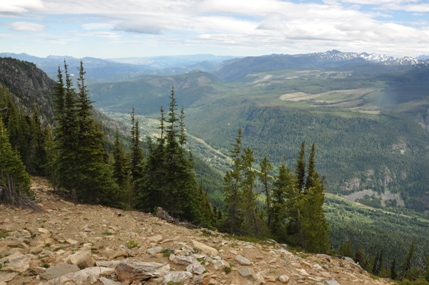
(26, 26)
(20, 6)
(255, 24)
(97, 26)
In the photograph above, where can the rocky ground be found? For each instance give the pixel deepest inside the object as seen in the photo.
(83, 244)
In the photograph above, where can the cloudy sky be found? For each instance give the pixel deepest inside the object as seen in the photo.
(139, 28)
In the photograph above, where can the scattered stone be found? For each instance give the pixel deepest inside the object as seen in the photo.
(106, 281)
(160, 213)
(133, 269)
(154, 250)
(219, 264)
(247, 272)
(302, 272)
(176, 277)
(201, 279)
(242, 260)
(7, 277)
(59, 270)
(284, 278)
(72, 241)
(205, 248)
(332, 282)
(235, 281)
(114, 253)
(44, 231)
(155, 239)
(111, 264)
(183, 260)
(4, 243)
(83, 259)
(86, 276)
(18, 263)
(196, 268)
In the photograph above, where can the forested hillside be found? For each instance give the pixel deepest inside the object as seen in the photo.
(369, 121)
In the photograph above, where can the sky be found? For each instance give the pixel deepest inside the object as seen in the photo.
(146, 28)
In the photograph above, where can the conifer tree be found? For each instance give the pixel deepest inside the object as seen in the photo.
(51, 157)
(361, 258)
(283, 193)
(66, 134)
(14, 180)
(81, 166)
(426, 273)
(251, 224)
(136, 150)
(300, 168)
(313, 222)
(119, 162)
(232, 191)
(266, 180)
(168, 178)
(150, 187)
(393, 274)
(406, 266)
(38, 153)
(182, 195)
(346, 249)
(310, 179)
(97, 185)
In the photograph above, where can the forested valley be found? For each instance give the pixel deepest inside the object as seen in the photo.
(254, 197)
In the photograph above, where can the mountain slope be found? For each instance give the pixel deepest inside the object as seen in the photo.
(115, 239)
(28, 85)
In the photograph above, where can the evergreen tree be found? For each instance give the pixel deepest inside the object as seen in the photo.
(168, 178)
(393, 274)
(300, 168)
(151, 186)
(426, 273)
(38, 155)
(361, 258)
(14, 180)
(232, 191)
(313, 222)
(181, 194)
(346, 249)
(310, 181)
(406, 266)
(51, 157)
(206, 210)
(136, 150)
(119, 162)
(282, 194)
(266, 180)
(66, 135)
(251, 224)
(97, 185)
(80, 164)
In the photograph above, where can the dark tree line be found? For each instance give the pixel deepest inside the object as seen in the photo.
(293, 210)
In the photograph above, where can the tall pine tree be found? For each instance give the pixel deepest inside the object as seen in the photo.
(14, 180)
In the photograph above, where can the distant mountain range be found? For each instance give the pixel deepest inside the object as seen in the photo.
(225, 67)
(237, 68)
(110, 70)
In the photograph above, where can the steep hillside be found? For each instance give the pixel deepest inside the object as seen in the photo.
(28, 84)
(67, 243)
(147, 93)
